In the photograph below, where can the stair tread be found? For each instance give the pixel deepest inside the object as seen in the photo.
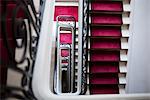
(105, 56)
(107, 37)
(104, 0)
(106, 49)
(91, 12)
(106, 19)
(90, 73)
(105, 12)
(104, 43)
(109, 25)
(101, 89)
(103, 68)
(66, 10)
(104, 79)
(106, 61)
(109, 6)
(97, 31)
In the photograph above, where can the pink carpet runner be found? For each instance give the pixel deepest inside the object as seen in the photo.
(105, 46)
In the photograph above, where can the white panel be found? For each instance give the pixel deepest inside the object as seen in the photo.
(121, 89)
(88, 81)
(70, 22)
(126, 7)
(122, 79)
(123, 67)
(66, 0)
(124, 43)
(123, 55)
(88, 90)
(139, 62)
(66, 4)
(126, 20)
(125, 33)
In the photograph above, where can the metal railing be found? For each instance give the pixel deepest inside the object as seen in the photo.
(25, 34)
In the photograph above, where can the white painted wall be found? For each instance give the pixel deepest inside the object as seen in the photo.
(149, 44)
(139, 52)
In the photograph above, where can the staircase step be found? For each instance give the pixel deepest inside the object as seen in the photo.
(66, 10)
(107, 37)
(66, 38)
(106, 6)
(91, 12)
(104, 78)
(107, 49)
(106, 19)
(105, 0)
(106, 61)
(105, 43)
(109, 25)
(105, 31)
(105, 56)
(104, 68)
(104, 89)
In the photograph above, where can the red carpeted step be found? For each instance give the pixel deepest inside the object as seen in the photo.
(105, 43)
(104, 78)
(106, 19)
(104, 68)
(104, 89)
(66, 38)
(107, 6)
(66, 10)
(105, 31)
(64, 53)
(105, 56)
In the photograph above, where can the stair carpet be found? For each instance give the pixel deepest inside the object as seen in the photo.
(106, 48)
